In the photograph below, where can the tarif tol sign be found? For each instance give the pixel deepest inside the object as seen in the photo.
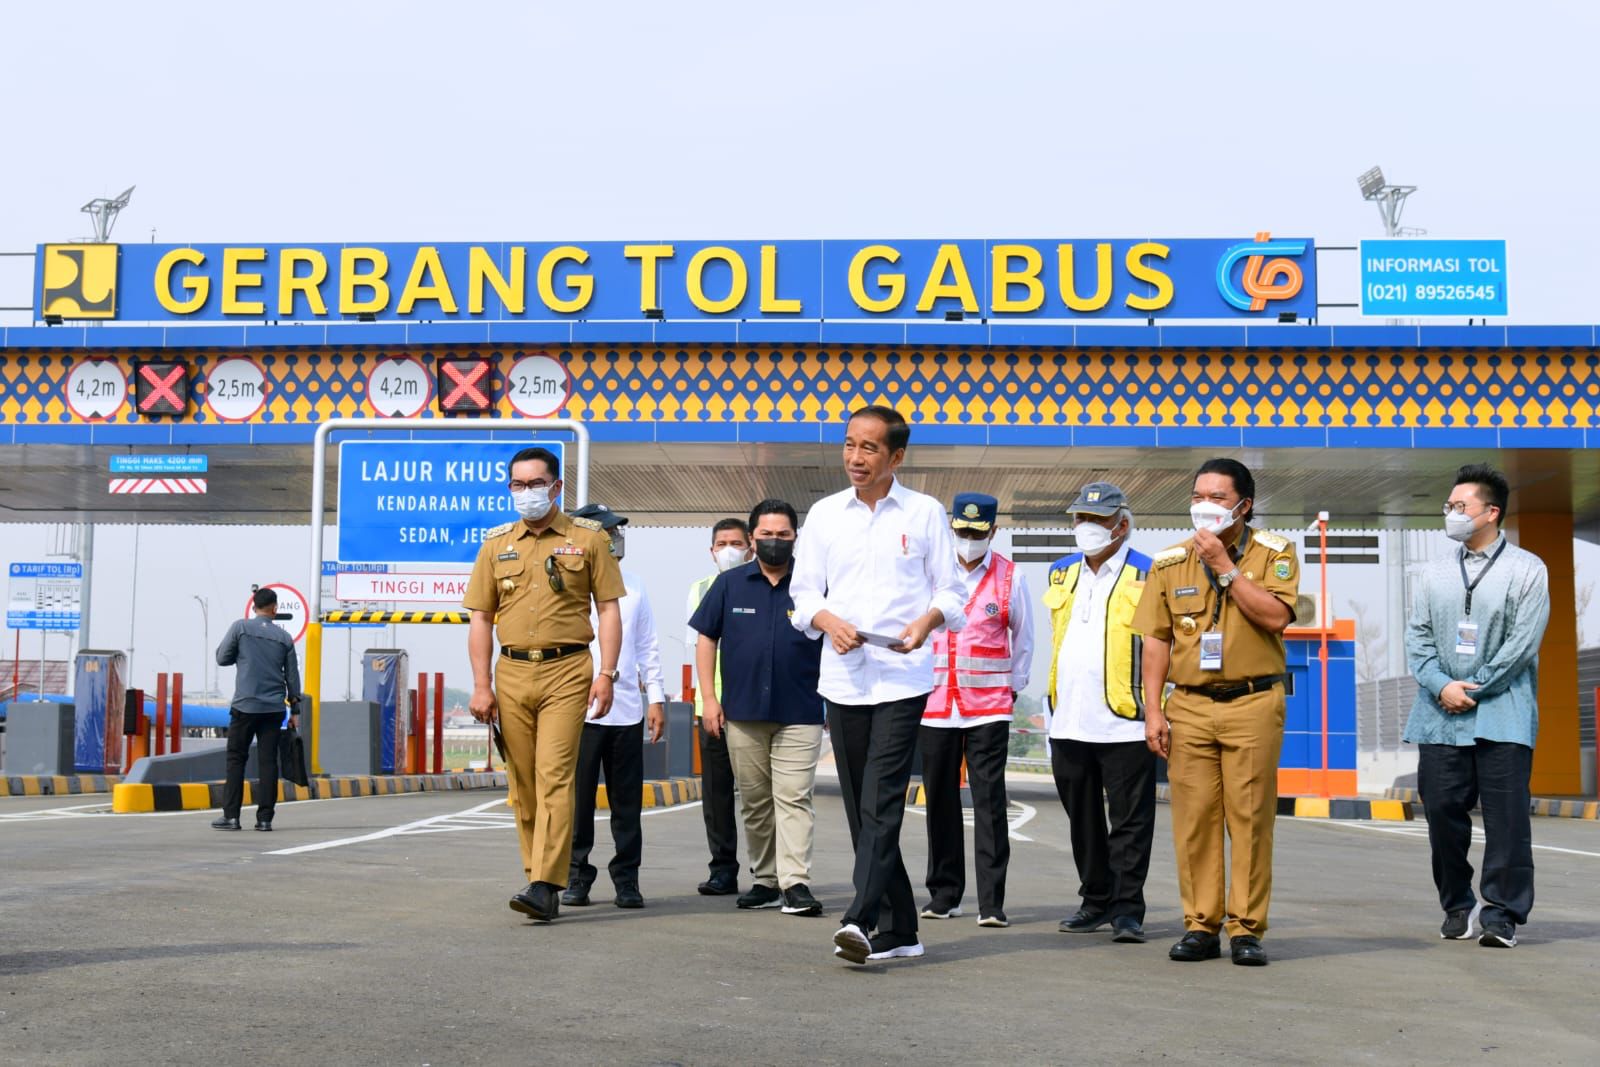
(1029, 278)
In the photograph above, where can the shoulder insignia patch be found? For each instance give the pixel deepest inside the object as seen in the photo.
(1272, 541)
(505, 527)
(1167, 557)
(587, 524)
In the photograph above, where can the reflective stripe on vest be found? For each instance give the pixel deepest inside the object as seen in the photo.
(979, 656)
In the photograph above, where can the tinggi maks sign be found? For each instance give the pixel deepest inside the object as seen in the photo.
(1045, 279)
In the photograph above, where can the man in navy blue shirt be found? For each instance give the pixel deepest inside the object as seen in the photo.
(769, 707)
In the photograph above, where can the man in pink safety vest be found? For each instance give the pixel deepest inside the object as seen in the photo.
(978, 673)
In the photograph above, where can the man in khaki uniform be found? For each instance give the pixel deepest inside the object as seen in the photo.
(1213, 614)
(530, 588)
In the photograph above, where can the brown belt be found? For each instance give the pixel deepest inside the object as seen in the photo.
(539, 655)
(1229, 691)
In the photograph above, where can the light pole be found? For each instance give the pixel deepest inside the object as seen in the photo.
(205, 646)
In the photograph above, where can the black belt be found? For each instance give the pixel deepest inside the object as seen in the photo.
(539, 655)
(1223, 693)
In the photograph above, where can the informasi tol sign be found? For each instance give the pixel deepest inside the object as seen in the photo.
(424, 501)
(1411, 278)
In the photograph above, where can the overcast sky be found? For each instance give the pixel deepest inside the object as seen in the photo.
(522, 121)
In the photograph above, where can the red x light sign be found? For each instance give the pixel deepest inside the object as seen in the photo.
(161, 389)
(465, 386)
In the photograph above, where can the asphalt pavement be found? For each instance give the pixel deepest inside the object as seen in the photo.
(376, 930)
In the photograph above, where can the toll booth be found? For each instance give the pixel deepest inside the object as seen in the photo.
(383, 682)
(99, 688)
(1300, 765)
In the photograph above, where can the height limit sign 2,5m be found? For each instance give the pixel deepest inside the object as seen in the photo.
(1415, 278)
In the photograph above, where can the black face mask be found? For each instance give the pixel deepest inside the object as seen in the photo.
(775, 551)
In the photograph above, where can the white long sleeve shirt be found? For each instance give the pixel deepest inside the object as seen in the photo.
(640, 658)
(1081, 713)
(1020, 625)
(879, 569)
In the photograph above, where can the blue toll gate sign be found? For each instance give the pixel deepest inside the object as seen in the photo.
(424, 501)
(45, 596)
(1408, 278)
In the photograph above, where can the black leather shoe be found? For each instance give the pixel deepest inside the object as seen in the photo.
(1126, 929)
(1247, 951)
(576, 895)
(1083, 921)
(538, 902)
(719, 885)
(225, 823)
(264, 825)
(1194, 946)
(628, 896)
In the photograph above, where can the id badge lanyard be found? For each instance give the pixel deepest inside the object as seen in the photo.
(1466, 628)
(1211, 638)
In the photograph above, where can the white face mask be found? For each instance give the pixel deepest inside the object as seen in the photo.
(533, 503)
(1213, 518)
(729, 557)
(1093, 538)
(969, 551)
(1461, 527)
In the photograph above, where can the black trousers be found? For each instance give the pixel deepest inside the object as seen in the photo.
(620, 751)
(244, 727)
(716, 804)
(1453, 778)
(1094, 779)
(985, 748)
(874, 747)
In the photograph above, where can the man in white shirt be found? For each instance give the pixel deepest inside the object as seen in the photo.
(730, 548)
(1097, 699)
(977, 676)
(616, 742)
(875, 570)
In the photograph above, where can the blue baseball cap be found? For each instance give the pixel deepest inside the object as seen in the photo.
(973, 511)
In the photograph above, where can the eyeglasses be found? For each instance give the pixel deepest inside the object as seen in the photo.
(552, 573)
(1460, 507)
(518, 487)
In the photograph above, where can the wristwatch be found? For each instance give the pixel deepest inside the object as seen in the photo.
(613, 674)
(1225, 580)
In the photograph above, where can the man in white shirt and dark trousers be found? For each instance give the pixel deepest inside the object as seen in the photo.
(977, 675)
(616, 742)
(875, 570)
(1097, 747)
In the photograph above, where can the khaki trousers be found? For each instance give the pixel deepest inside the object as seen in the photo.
(1224, 776)
(542, 708)
(776, 768)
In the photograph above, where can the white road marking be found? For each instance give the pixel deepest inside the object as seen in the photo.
(1024, 817)
(1421, 833)
(479, 817)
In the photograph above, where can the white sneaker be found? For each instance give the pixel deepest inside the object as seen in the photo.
(997, 921)
(851, 945)
(902, 952)
(931, 912)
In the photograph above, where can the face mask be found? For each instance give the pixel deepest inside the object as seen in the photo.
(1093, 538)
(1460, 527)
(775, 551)
(618, 544)
(1213, 518)
(969, 551)
(729, 557)
(532, 503)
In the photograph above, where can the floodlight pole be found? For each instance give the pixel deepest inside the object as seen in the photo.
(103, 211)
(1391, 199)
(319, 472)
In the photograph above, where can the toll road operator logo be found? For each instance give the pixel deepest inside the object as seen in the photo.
(1262, 279)
(79, 281)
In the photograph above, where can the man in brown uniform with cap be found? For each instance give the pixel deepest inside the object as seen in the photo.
(1213, 614)
(531, 586)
